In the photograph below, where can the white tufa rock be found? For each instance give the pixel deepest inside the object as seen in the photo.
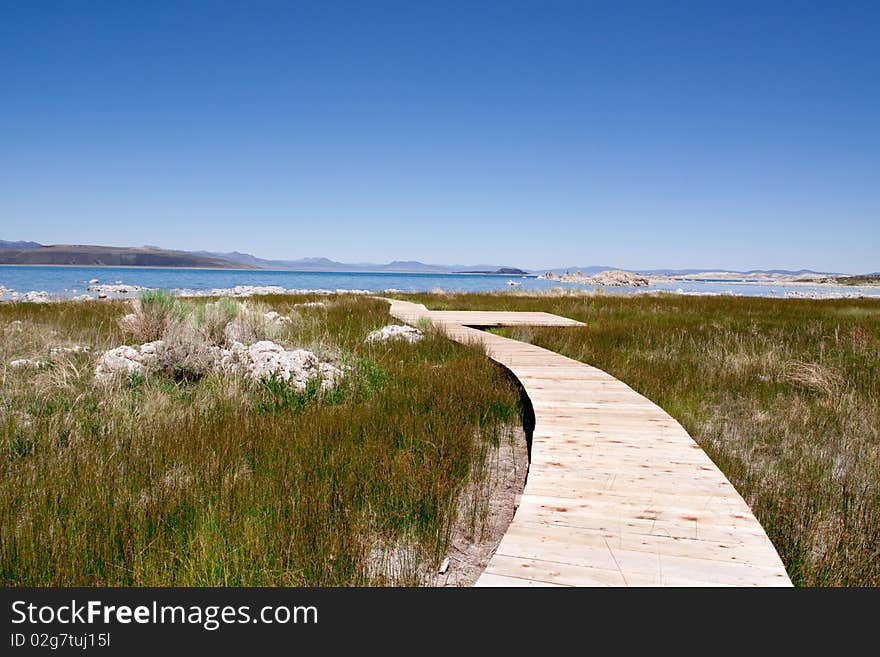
(128, 322)
(395, 332)
(266, 359)
(261, 360)
(608, 278)
(115, 289)
(34, 297)
(617, 278)
(26, 364)
(23, 420)
(75, 349)
(249, 290)
(126, 360)
(277, 318)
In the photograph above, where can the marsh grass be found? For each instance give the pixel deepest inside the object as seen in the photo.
(784, 395)
(218, 481)
(153, 311)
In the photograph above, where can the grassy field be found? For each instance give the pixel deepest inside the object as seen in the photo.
(862, 279)
(188, 477)
(867, 279)
(784, 395)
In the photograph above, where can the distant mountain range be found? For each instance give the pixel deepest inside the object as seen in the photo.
(19, 245)
(325, 264)
(86, 255)
(33, 253)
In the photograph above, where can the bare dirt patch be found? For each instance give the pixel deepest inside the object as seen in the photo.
(485, 510)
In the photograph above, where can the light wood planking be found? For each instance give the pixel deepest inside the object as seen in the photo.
(617, 493)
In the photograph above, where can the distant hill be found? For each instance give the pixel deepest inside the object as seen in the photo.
(862, 279)
(32, 253)
(513, 271)
(86, 255)
(19, 245)
(234, 256)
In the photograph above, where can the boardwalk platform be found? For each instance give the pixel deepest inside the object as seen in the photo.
(618, 493)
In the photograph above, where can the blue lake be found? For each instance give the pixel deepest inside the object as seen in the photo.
(73, 281)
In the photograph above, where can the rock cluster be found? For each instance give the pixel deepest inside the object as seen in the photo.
(395, 332)
(261, 360)
(103, 291)
(126, 360)
(609, 278)
(34, 296)
(617, 278)
(266, 359)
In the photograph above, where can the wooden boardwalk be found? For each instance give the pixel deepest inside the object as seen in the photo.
(618, 494)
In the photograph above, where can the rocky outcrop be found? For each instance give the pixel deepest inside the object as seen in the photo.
(266, 359)
(262, 360)
(608, 278)
(121, 360)
(395, 332)
(618, 278)
(126, 360)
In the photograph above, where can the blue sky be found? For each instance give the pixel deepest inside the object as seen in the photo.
(640, 135)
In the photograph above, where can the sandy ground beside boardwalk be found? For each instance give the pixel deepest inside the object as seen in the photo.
(469, 552)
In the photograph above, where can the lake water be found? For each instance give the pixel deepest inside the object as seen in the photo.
(73, 281)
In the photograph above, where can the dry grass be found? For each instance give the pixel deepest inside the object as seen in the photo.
(218, 481)
(784, 395)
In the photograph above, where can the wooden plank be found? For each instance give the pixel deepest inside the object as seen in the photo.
(617, 493)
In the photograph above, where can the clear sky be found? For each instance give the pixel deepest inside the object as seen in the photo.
(639, 135)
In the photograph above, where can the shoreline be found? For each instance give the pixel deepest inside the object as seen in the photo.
(42, 297)
(286, 271)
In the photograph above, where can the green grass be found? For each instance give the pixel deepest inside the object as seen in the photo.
(866, 279)
(784, 395)
(219, 481)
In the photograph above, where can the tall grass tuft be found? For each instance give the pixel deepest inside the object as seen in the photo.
(154, 310)
(212, 318)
